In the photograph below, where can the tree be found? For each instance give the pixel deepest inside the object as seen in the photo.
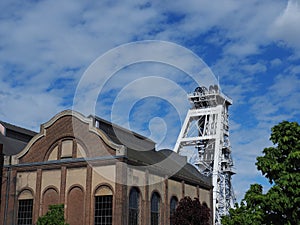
(280, 164)
(249, 212)
(54, 216)
(191, 212)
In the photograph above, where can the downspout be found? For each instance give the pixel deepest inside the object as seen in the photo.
(2, 132)
(7, 191)
(1, 171)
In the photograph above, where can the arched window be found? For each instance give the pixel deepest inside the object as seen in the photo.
(155, 209)
(134, 207)
(103, 206)
(173, 205)
(69, 148)
(25, 208)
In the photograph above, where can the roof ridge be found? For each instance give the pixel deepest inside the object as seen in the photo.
(17, 128)
(121, 128)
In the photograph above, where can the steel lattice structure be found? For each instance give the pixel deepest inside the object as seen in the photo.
(206, 128)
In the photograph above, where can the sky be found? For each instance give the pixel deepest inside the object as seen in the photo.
(251, 48)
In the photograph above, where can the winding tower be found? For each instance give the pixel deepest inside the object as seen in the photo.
(205, 134)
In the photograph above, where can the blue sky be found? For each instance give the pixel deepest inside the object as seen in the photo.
(252, 47)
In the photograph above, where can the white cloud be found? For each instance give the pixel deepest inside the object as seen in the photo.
(254, 68)
(286, 26)
(276, 62)
(279, 101)
(242, 49)
(286, 85)
(46, 45)
(23, 107)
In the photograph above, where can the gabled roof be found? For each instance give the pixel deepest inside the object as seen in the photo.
(11, 146)
(122, 136)
(169, 163)
(15, 138)
(141, 151)
(18, 132)
(67, 122)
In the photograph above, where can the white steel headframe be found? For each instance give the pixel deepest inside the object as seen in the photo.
(206, 128)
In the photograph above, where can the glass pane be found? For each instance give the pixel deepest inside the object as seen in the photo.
(134, 207)
(155, 209)
(173, 205)
(25, 212)
(103, 210)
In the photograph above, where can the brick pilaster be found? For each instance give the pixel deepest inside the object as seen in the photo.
(11, 213)
(37, 206)
(4, 197)
(121, 197)
(88, 195)
(63, 185)
(62, 197)
(166, 213)
(182, 189)
(146, 220)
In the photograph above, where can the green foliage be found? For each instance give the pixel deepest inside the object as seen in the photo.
(281, 166)
(54, 216)
(191, 212)
(249, 211)
(284, 159)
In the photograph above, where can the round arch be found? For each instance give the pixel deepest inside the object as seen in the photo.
(50, 197)
(25, 193)
(103, 189)
(75, 205)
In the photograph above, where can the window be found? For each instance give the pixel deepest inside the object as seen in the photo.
(103, 210)
(69, 148)
(103, 205)
(25, 212)
(134, 200)
(66, 149)
(25, 208)
(173, 205)
(155, 209)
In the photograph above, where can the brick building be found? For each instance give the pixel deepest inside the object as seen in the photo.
(102, 173)
(12, 140)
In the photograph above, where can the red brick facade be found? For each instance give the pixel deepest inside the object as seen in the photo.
(74, 181)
